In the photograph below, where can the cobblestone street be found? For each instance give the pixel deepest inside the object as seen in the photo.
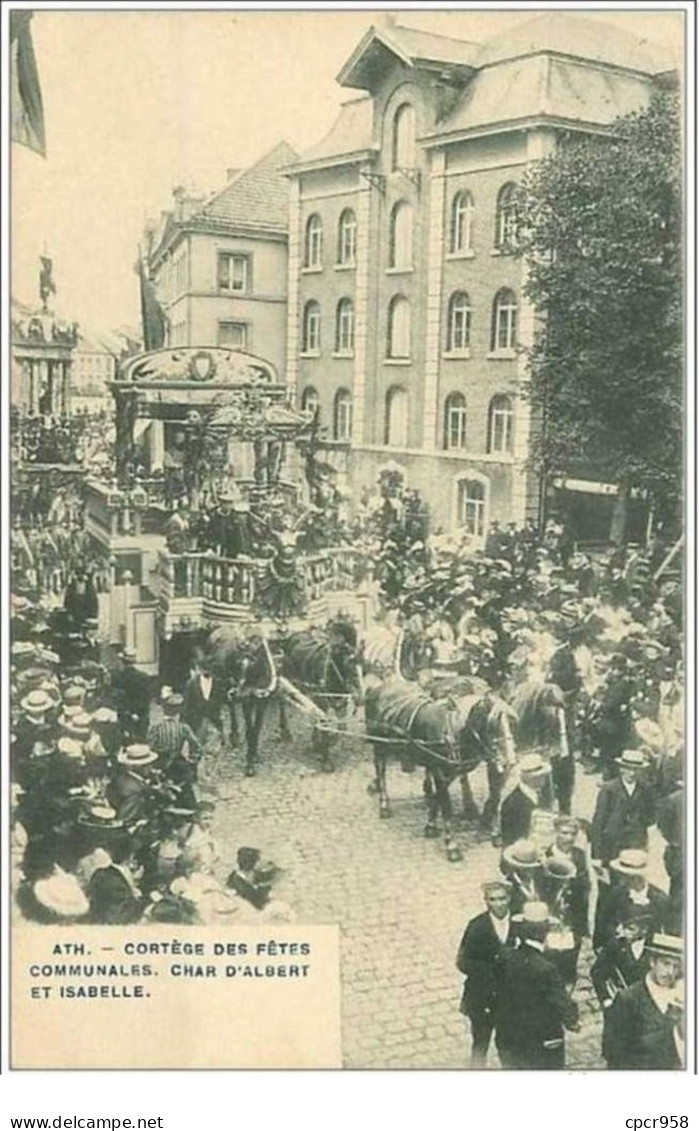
(400, 905)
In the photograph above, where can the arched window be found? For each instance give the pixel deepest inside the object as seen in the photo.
(311, 327)
(504, 329)
(344, 326)
(472, 507)
(500, 424)
(403, 147)
(455, 422)
(342, 417)
(506, 218)
(310, 401)
(347, 238)
(461, 225)
(396, 426)
(459, 322)
(400, 250)
(398, 338)
(313, 247)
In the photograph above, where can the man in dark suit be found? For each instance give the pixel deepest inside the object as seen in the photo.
(644, 1029)
(204, 699)
(624, 810)
(518, 806)
(631, 889)
(532, 1008)
(113, 890)
(478, 960)
(566, 891)
(131, 692)
(623, 960)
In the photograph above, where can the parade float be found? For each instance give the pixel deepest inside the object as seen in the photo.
(214, 511)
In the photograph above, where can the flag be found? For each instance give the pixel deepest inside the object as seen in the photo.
(26, 106)
(153, 316)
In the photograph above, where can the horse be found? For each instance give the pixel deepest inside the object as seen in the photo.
(540, 709)
(247, 667)
(321, 669)
(449, 737)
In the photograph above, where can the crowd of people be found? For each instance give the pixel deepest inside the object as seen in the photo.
(110, 821)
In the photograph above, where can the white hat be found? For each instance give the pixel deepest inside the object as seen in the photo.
(61, 894)
(138, 754)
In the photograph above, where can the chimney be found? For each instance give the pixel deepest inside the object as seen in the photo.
(185, 203)
(231, 174)
(387, 20)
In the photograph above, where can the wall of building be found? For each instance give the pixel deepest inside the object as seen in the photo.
(195, 311)
(481, 166)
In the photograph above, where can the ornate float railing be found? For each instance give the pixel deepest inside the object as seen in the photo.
(201, 583)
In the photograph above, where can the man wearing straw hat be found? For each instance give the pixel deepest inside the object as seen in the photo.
(644, 1026)
(624, 810)
(518, 807)
(632, 889)
(533, 1008)
(478, 960)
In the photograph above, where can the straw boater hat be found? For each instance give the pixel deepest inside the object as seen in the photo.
(137, 755)
(77, 726)
(101, 817)
(74, 694)
(558, 869)
(129, 655)
(631, 862)
(632, 760)
(669, 946)
(522, 854)
(531, 764)
(71, 747)
(104, 715)
(534, 914)
(62, 895)
(36, 703)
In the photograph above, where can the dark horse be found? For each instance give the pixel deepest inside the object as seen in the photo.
(247, 667)
(324, 666)
(449, 737)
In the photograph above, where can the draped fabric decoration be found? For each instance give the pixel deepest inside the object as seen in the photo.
(26, 105)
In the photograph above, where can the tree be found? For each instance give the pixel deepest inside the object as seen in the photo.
(601, 232)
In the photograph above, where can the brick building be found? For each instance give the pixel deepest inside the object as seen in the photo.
(406, 310)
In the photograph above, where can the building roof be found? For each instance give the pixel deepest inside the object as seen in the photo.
(257, 197)
(579, 37)
(411, 46)
(543, 87)
(351, 132)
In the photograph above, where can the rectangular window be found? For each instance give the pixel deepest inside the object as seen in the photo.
(233, 272)
(233, 334)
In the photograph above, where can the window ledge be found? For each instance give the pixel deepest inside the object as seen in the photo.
(398, 361)
(502, 251)
(345, 267)
(342, 353)
(456, 355)
(309, 353)
(502, 355)
(399, 270)
(225, 291)
(469, 254)
(312, 270)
